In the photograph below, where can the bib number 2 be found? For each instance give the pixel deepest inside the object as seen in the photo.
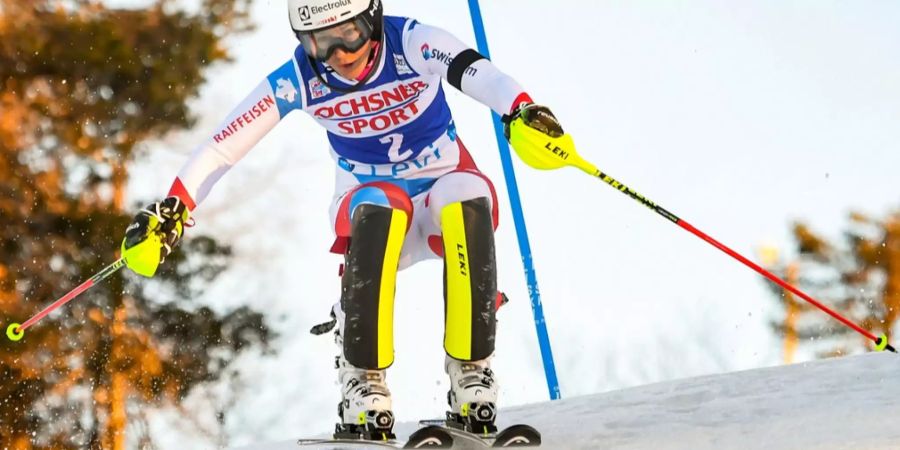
(396, 141)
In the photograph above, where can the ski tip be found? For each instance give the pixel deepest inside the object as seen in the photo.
(14, 333)
(430, 437)
(520, 435)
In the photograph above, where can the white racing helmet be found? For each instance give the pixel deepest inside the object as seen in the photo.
(324, 26)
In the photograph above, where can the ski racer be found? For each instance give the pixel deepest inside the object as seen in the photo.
(406, 189)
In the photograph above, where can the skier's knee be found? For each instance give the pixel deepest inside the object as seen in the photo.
(461, 186)
(379, 193)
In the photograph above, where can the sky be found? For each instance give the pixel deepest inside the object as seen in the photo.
(739, 117)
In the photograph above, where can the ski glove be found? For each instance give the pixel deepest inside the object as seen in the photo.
(152, 235)
(537, 137)
(534, 116)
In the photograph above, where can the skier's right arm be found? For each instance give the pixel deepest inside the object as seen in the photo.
(157, 228)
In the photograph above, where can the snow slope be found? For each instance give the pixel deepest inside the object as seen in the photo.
(844, 403)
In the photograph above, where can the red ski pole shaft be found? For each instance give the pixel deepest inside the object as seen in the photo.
(50, 308)
(17, 330)
(880, 341)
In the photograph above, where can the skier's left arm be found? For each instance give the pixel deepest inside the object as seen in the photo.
(433, 50)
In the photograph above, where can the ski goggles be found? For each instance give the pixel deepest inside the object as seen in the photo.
(349, 36)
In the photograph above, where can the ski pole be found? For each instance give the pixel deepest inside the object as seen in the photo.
(560, 151)
(16, 331)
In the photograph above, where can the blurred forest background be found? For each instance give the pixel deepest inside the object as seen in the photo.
(857, 275)
(81, 86)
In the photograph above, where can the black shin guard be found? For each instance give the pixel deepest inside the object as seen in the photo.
(470, 280)
(368, 284)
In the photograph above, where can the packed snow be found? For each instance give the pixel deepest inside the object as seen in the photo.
(843, 403)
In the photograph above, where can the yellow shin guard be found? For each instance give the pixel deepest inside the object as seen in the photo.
(470, 280)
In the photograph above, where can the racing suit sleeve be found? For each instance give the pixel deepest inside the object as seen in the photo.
(242, 129)
(431, 50)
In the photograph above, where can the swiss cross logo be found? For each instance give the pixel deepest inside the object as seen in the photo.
(304, 13)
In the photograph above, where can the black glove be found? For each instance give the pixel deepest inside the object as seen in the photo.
(534, 116)
(152, 235)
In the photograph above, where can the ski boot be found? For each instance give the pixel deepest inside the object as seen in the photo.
(365, 407)
(472, 396)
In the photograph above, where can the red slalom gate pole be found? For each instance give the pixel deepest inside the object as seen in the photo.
(15, 331)
(881, 342)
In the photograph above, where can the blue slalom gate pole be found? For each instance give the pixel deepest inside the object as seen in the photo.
(519, 218)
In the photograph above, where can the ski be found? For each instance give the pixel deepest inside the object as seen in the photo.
(426, 437)
(338, 444)
(519, 435)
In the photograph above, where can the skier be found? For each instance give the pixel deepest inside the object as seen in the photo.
(406, 190)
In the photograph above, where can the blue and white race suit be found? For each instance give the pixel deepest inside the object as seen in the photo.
(397, 128)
